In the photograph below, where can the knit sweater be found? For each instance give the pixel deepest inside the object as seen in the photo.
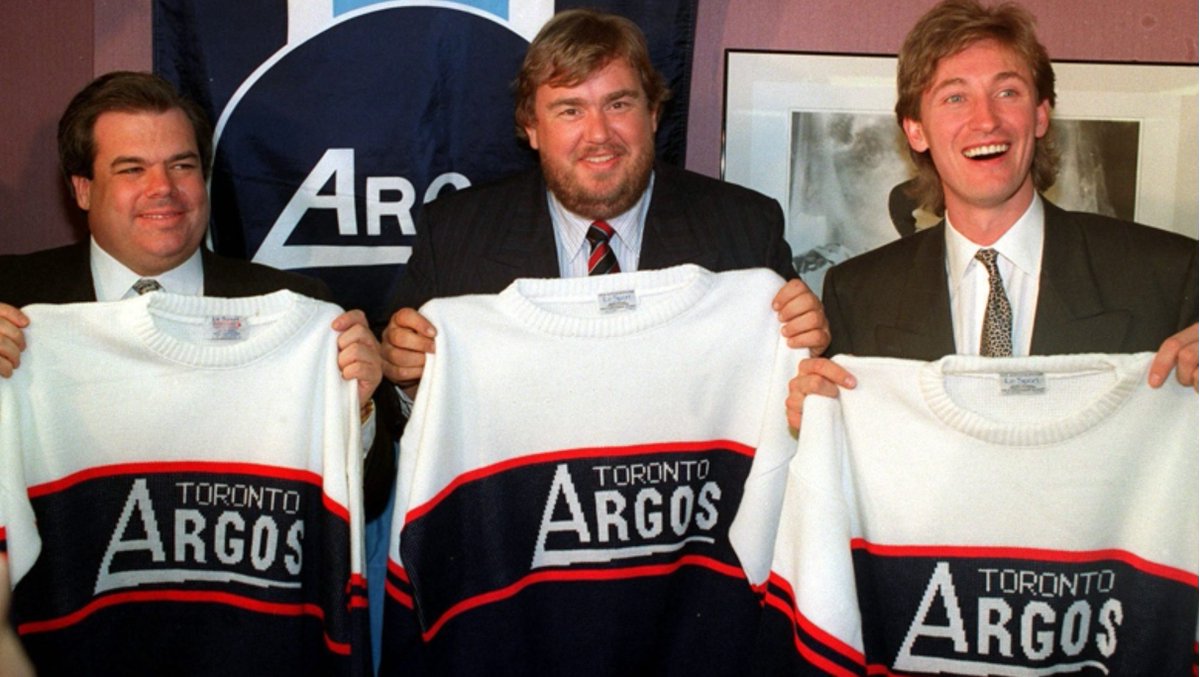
(581, 486)
(990, 516)
(181, 489)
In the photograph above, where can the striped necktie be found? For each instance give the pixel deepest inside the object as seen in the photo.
(602, 259)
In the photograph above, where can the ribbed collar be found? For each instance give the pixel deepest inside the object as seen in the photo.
(571, 306)
(1128, 372)
(270, 321)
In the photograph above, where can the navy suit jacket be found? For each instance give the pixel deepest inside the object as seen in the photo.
(1106, 286)
(64, 275)
(477, 241)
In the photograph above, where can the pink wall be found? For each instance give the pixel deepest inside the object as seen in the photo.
(54, 47)
(1163, 31)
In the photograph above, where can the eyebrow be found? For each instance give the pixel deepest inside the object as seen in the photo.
(135, 160)
(608, 98)
(999, 77)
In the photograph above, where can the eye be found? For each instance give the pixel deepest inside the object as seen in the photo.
(955, 98)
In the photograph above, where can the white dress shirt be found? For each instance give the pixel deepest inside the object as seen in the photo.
(113, 281)
(570, 234)
(1020, 264)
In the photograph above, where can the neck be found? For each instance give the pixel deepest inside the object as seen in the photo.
(985, 224)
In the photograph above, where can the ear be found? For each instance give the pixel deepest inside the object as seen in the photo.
(915, 133)
(83, 191)
(1043, 118)
(531, 132)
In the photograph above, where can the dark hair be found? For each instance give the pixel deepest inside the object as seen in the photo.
(947, 29)
(573, 45)
(127, 92)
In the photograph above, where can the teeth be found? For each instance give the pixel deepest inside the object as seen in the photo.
(992, 149)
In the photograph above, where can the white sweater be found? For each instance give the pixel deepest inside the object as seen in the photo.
(165, 457)
(983, 516)
(595, 445)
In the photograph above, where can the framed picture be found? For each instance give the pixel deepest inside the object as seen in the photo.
(818, 133)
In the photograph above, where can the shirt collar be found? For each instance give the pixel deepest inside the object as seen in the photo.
(627, 226)
(1021, 245)
(112, 279)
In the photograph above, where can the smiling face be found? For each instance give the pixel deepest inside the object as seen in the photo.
(595, 140)
(147, 203)
(980, 121)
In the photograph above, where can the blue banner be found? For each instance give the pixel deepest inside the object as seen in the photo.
(335, 120)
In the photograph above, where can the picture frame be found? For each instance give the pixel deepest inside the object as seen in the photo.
(818, 133)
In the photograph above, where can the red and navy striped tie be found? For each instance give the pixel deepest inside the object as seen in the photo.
(602, 259)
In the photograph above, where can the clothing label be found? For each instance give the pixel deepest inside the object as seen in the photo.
(617, 301)
(227, 328)
(1025, 383)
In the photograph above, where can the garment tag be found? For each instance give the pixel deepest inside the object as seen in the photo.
(227, 328)
(1023, 383)
(618, 301)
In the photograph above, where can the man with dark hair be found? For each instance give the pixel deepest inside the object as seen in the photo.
(135, 155)
(975, 92)
(588, 101)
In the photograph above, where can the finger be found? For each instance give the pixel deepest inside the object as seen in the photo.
(410, 319)
(1170, 354)
(13, 315)
(828, 370)
(791, 290)
(349, 319)
(399, 338)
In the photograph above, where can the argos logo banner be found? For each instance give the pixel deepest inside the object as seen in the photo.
(336, 120)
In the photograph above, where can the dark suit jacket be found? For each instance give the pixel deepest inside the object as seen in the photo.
(64, 275)
(479, 240)
(1106, 286)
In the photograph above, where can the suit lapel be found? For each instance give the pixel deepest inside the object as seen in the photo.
(1070, 310)
(76, 274)
(669, 238)
(923, 328)
(527, 247)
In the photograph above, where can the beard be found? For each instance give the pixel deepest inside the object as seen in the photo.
(601, 204)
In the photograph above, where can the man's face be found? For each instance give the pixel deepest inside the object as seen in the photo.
(147, 204)
(980, 120)
(595, 140)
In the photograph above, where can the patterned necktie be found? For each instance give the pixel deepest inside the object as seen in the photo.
(602, 259)
(996, 339)
(145, 285)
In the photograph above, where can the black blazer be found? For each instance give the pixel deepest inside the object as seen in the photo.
(1106, 286)
(477, 241)
(64, 275)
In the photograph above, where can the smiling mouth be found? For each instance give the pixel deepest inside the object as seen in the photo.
(986, 152)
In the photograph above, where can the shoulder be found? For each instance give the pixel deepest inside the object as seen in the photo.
(696, 186)
(57, 275)
(230, 277)
(885, 262)
(1100, 230)
(523, 185)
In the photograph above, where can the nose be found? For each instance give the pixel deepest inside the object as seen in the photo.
(983, 114)
(159, 182)
(598, 128)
